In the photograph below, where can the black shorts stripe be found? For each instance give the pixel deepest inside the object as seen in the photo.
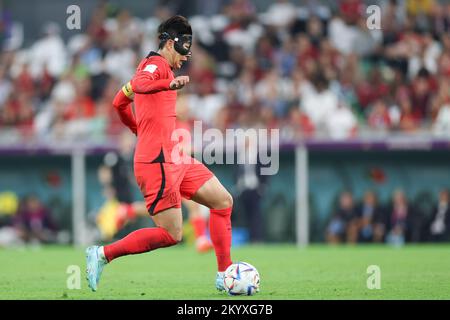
(161, 190)
(160, 157)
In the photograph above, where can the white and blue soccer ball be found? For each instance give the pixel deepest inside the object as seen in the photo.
(241, 278)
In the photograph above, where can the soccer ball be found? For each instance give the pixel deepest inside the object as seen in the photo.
(241, 278)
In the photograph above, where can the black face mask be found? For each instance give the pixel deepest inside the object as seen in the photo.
(182, 43)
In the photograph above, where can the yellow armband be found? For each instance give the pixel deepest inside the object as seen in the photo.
(127, 90)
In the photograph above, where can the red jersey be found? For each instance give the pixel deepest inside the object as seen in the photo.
(154, 110)
(162, 181)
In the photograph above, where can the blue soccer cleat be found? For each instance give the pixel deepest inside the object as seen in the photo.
(219, 281)
(94, 267)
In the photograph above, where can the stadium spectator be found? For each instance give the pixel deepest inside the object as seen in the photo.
(9, 203)
(441, 126)
(285, 58)
(441, 109)
(49, 53)
(82, 107)
(399, 219)
(120, 54)
(379, 118)
(318, 101)
(250, 185)
(298, 124)
(6, 86)
(370, 218)
(241, 31)
(406, 64)
(393, 19)
(416, 8)
(444, 59)
(409, 122)
(343, 226)
(426, 56)
(439, 226)
(274, 92)
(441, 18)
(421, 91)
(341, 123)
(280, 14)
(34, 222)
(372, 88)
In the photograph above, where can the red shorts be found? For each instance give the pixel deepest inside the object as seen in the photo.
(163, 184)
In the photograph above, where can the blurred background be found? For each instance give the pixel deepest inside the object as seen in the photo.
(364, 115)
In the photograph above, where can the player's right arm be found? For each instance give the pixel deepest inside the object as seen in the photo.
(122, 104)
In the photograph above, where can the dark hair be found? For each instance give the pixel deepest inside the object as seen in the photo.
(173, 27)
(423, 73)
(319, 80)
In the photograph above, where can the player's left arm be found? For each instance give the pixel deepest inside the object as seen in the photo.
(151, 79)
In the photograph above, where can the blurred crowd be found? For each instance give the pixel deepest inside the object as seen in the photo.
(27, 220)
(310, 69)
(396, 222)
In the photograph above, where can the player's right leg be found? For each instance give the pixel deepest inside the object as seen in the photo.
(128, 212)
(113, 216)
(214, 195)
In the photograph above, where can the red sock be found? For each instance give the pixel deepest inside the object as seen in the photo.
(139, 241)
(199, 225)
(220, 232)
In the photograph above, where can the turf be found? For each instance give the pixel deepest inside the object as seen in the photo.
(316, 272)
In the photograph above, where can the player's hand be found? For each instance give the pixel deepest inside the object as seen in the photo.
(179, 82)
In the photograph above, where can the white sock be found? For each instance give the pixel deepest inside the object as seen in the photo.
(101, 253)
(221, 273)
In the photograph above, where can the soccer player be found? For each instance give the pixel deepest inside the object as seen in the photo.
(115, 177)
(162, 178)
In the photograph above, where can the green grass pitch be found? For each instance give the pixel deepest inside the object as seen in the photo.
(316, 272)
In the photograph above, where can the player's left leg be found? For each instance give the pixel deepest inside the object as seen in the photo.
(213, 195)
(167, 233)
(160, 187)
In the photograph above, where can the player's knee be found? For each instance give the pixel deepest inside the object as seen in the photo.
(226, 201)
(176, 234)
(178, 237)
(229, 200)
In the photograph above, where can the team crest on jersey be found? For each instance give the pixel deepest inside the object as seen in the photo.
(150, 68)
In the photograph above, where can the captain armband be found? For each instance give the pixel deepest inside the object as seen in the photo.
(127, 90)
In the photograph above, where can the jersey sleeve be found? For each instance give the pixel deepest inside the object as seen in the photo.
(122, 104)
(150, 79)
